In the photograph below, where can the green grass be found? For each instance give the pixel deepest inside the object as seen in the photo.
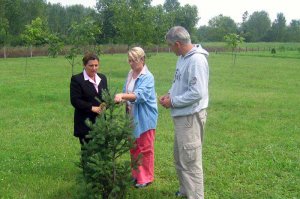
(252, 138)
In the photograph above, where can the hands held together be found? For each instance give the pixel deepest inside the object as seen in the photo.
(99, 109)
(165, 101)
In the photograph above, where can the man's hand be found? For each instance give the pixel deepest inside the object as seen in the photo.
(165, 101)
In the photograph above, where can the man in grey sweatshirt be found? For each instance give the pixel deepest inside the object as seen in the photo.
(188, 100)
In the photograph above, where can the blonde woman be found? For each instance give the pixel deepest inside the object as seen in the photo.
(139, 94)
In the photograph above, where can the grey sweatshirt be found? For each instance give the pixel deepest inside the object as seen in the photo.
(189, 91)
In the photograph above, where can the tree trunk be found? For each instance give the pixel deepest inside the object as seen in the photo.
(4, 52)
(30, 50)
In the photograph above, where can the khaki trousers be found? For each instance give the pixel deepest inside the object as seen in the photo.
(188, 141)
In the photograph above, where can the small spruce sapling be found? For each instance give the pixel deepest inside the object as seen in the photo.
(106, 172)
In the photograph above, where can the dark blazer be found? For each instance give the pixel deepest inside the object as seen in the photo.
(82, 96)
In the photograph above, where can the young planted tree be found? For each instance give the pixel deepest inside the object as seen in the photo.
(106, 172)
(233, 40)
(81, 35)
(35, 34)
(55, 45)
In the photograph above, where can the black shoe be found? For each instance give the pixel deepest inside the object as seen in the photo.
(134, 181)
(179, 194)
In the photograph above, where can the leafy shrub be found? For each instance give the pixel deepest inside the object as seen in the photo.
(273, 51)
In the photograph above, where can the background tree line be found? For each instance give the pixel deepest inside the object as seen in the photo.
(256, 27)
(130, 22)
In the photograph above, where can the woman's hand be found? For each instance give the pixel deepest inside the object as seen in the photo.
(118, 98)
(98, 109)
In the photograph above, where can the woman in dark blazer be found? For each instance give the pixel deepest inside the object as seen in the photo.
(85, 87)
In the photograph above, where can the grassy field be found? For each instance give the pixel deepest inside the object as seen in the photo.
(252, 138)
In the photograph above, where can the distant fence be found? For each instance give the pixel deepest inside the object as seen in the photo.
(113, 49)
(239, 49)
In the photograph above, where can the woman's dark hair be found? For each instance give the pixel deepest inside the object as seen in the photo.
(89, 56)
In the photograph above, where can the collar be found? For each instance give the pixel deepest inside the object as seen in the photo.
(143, 72)
(190, 52)
(196, 50)
(86, 77)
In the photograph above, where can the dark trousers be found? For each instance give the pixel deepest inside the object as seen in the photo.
(83, 139)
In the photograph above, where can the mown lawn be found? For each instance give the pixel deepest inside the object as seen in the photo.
(252, 140)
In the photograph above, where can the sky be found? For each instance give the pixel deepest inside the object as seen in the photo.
(231, 8)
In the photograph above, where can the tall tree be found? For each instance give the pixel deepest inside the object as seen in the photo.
(278, 29)
(203, 33)
(242, 27)
(187, 17)
(161, 25)
(4, 28)
(57, 16)
(293, 31)
(219, 26)
(133, 18)
(171, 5)
(31, 9)
(14, 16)
(60, 18)
(257, 26)
(245, 16)
(105, 18)
(19, 13)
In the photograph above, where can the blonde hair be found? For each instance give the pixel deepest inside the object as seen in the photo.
(136, 54)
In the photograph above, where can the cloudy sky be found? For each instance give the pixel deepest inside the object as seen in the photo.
(232, 8)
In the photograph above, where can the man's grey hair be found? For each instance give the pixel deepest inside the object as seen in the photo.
(178, 33)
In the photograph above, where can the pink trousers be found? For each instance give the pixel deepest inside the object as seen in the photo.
(144, 145)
